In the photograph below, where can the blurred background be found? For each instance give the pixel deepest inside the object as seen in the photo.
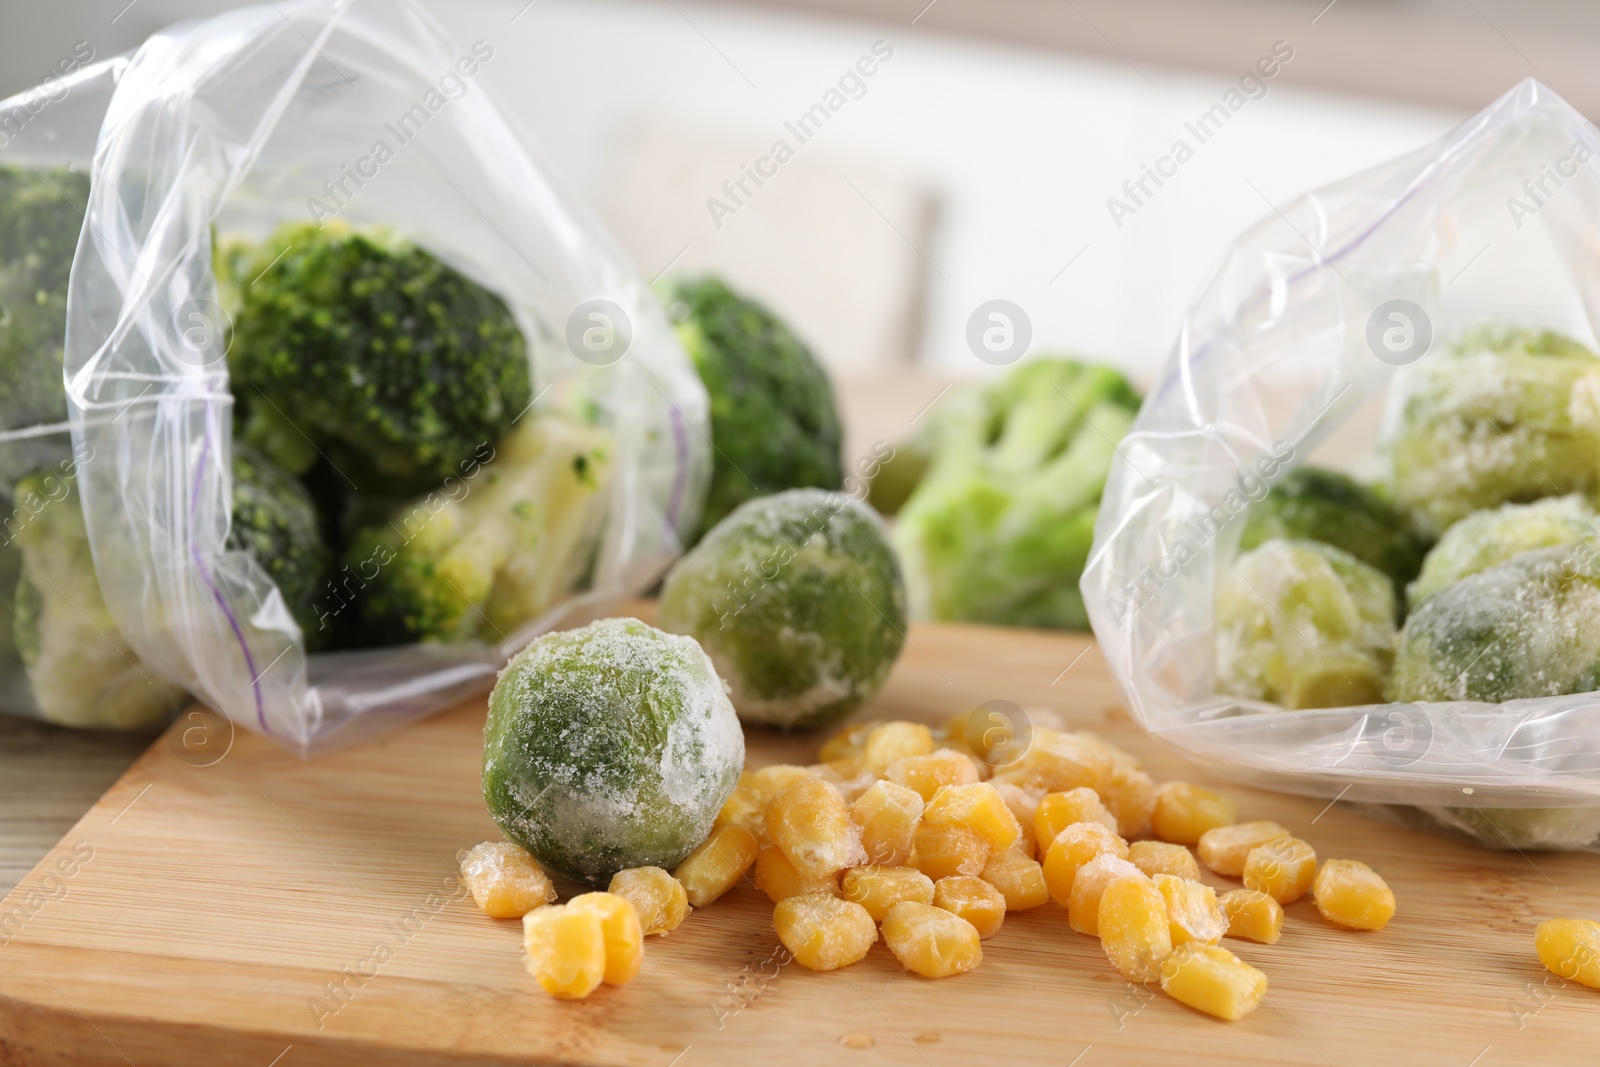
(939, 155)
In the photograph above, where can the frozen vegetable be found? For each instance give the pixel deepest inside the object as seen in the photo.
(1313, 504)
(275, 521)
(1527, 829)
(1494, 535)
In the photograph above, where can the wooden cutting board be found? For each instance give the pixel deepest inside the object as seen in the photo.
(261, 911)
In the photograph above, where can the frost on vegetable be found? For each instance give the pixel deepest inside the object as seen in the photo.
(1304, 625)
(609, 747)
(1529, 627)
(799, 601)
(275, 522)
(1524, 828)
(1506, 415)
(1313, 504)
(1486, 538)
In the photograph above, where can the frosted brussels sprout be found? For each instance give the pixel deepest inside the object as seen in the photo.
(1314, 504)
(1304, 625)
(1529, 627)
(1506, 415)
(798, 599)
(1486, 538)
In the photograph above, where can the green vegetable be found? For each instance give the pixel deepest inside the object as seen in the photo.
(1305, 625)
(275, 522)
(1313, 504)
(999, 528)
(798, 600)
(1486, 538)
(1526, 829)
(773, 419)
(609, 747)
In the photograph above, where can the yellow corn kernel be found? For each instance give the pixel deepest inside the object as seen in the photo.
(1184, 811)
(1192, 910)
(1120, 757)
(1225, 848)
(620, 929)
(1281, 869)
(944, 851)
(776, 877)
(976, 807)
(566, 950)
(1252, 916)
(717, 865)
(1163, 857)
(988, 735)
(975, 900)
(1083, 908)
(888, 815)
(1213, 980)
(504, 880)
(846, 744)
(1071, 849)
(1134, 929)
(658, 897)
(746, 806)
(894, 741)
(930, 941)
(1130, 795)
(880, 888)
(1024, 804)
(1019, 877)
(1571, 949)
(927, 774)
(1352, 895)
(1057, 811)
(811, 823)
(824, 932)
(1056, 762)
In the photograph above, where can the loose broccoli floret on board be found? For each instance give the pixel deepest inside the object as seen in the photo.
(1313, 504)
(275, 522)
(1487, 538)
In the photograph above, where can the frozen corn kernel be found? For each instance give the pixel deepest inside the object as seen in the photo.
(1056, 762)
(975, 900)
(1213, 980)
(888, 815)
(811, 823)
(1024, 804)
(1225, 848)
(1120, 757)
(504, 880)
(1071, 849)
(1252, 915)
(1019, 877)
(989, 735)
(880, 888)
(658, 897)
(850, 786)
(846, 744)
(566, 950)
(1571, 949)
(894, 741)
(746, 806)
(777, 878)
(1193, 912)
(1184, 811)
(1057, 811)
(1134, 929)
(943, 851)
(1083, 907)
(621, 932)
(978, 808)
(1130, 795)
(930, 941)
(717, 865)
(1352, 895)
(928, 774)
(1281, 869)
(1163, 857)
(824, 932)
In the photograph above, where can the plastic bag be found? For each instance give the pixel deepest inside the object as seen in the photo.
(228, 127)
(1282, 360)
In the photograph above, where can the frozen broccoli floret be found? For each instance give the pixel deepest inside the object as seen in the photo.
(489, 550)
(1529, 627)
(1304, 625)
(999, 528)
(371, 343)
(773, 419)
(1486, 538)
(1313, 504)
(1526, 829)
(798, 599)
(275, 522)
(1505, 416)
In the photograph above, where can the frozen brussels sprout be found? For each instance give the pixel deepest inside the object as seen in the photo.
(1506, 415)
(799, 601)
(1313, 504)
(1304, 625)
(1486, 538)
(1529, 627)
(609, 747)
(1523, 828)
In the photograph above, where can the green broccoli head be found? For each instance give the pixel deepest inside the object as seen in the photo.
(999, 528)
(773, 419)
(490, 550)
(1314, 504)
(1524, 829)
(373, 344)
(275, 522)
(1487, 538)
